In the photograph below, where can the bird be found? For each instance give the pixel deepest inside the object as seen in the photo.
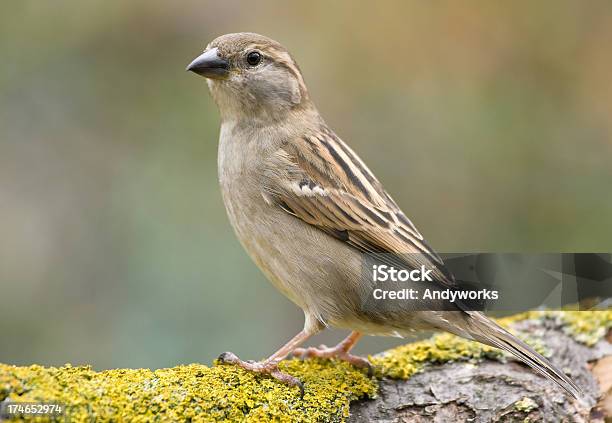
(309, 213)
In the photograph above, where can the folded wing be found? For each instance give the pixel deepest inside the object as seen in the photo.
(321, 181)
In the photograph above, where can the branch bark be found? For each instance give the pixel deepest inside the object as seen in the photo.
(476, 387)
(497, 391)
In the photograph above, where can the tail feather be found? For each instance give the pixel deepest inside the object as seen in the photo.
(488, 332)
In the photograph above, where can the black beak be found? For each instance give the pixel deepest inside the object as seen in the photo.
(210, 65)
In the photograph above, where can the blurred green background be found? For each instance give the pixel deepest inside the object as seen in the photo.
(490, 124)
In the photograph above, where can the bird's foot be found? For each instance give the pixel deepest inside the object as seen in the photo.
(339, 351)
(266, 367)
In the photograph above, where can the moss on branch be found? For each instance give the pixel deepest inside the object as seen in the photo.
(201, 393)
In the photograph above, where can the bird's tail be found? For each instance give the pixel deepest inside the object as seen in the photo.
(488, 332)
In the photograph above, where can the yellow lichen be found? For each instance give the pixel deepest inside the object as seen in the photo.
(526, 405)
(587, 327)
(403, 361)
(195, 392)
(220, 393)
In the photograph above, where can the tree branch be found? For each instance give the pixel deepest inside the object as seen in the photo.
(443, 378)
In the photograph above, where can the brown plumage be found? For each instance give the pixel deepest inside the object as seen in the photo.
(308, 210)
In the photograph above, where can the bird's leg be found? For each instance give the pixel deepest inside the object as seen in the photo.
(340, 351)
(269, 366)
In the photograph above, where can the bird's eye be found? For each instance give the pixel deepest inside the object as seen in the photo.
(254, 58)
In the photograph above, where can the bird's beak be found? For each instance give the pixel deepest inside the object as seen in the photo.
(210, 65)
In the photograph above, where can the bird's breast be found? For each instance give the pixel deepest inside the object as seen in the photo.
(258, 225)
(317, 272)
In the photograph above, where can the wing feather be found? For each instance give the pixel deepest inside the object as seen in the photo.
(326, 185)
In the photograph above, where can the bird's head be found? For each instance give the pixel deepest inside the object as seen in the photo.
(251, 75)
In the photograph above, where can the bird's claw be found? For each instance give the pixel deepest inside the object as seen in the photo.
(269, 368)
(335, 352)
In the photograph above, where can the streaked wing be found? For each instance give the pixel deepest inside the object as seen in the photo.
(321, 181)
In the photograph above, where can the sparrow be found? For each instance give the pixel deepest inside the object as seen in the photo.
(308, 211)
